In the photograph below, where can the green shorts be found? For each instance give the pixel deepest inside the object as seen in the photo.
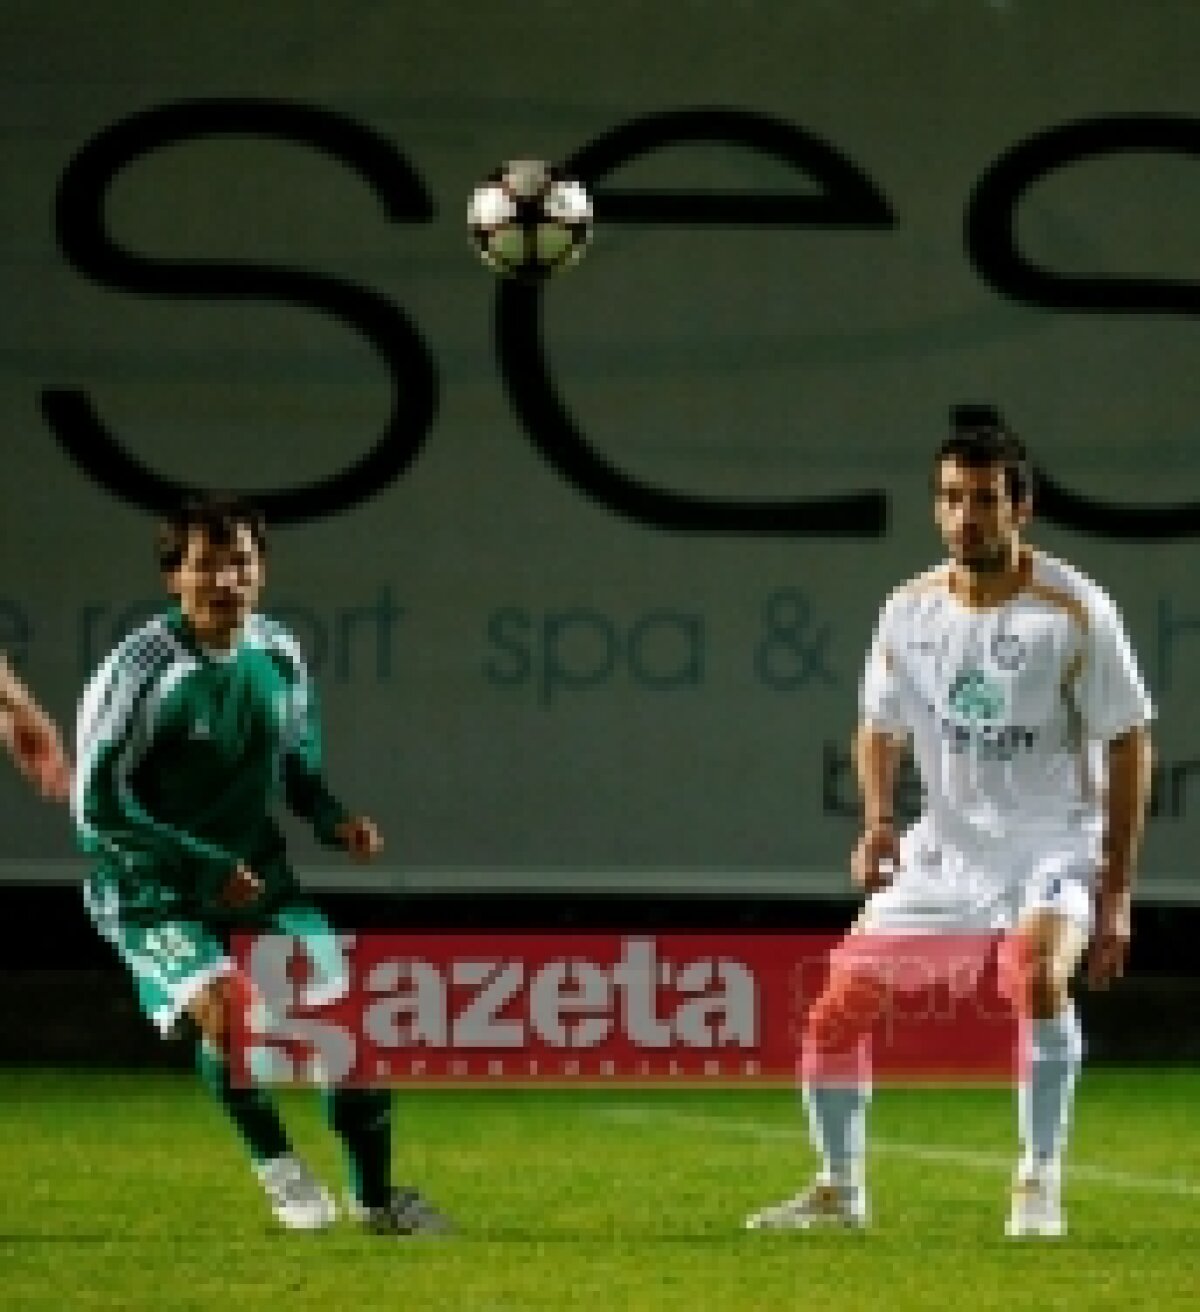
(173, 959)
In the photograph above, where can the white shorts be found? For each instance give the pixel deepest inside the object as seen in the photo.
(938, 889)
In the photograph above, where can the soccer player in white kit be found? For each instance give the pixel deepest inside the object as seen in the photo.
(1009, 675)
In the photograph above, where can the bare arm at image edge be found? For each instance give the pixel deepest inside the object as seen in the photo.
(31, 738)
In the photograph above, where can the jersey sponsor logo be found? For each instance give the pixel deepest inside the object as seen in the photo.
(976, 698)
(976, 704)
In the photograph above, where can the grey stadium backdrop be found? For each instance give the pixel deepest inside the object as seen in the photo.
(587, 575)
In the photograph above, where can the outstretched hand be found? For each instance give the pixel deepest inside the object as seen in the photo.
(360, 837)
(876, 857)
(1109, 948)
(242, 888)
(35, 745)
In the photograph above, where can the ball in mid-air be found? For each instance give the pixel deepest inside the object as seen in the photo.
(528, 220)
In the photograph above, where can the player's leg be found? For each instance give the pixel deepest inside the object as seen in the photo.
(1041, 958)
(928, 896)
(298, 1199)
(362, 1121)
(836, 1088)
(361, 1118)
(835, 1060)
(1049, 950)
(183, 973)
(250, 1109)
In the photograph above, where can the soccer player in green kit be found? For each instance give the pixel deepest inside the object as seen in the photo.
(189, 733)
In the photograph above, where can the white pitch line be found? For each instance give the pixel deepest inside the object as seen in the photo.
(1101, 1175)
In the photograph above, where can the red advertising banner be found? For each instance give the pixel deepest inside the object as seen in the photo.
(399, 1008)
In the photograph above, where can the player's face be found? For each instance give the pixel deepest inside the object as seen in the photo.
(218, 583)
(978, 520)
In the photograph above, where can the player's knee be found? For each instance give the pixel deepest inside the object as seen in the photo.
(1011, 971)
(1051, 986)
(850, 1004)
(212, 1011)
(1033, 975)
(207, 1013)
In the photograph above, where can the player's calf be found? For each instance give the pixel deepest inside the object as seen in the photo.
(1037, 964)
(298, 1200)
(836, 1086)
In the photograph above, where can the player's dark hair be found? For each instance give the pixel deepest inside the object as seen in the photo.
(979, 437)
(219, 516)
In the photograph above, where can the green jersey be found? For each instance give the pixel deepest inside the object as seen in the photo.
(183, 756)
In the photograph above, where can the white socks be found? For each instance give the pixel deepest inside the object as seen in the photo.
(1045, 1094)
(837, 1113)
(837, 1120)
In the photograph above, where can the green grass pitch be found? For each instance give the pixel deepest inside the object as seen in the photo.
(129, 1191)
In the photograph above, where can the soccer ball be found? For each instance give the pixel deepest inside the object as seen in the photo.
(528, 220)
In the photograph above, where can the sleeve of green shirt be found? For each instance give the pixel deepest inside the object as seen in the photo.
(304, 786)
(115, 729)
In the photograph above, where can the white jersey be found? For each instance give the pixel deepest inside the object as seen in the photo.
(1006, 706)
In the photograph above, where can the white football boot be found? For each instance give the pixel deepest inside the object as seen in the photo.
(298, 1199)
(823, 1203)
(1036, 1208)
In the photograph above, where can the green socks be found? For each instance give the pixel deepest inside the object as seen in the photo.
(362, 1120)
(251, 1109)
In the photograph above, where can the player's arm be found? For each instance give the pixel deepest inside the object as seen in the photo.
(31, 737)
(876, 759)
(115, 729)
(1129, 758)
(878, 743)
(305, 790)
(1117, 711)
